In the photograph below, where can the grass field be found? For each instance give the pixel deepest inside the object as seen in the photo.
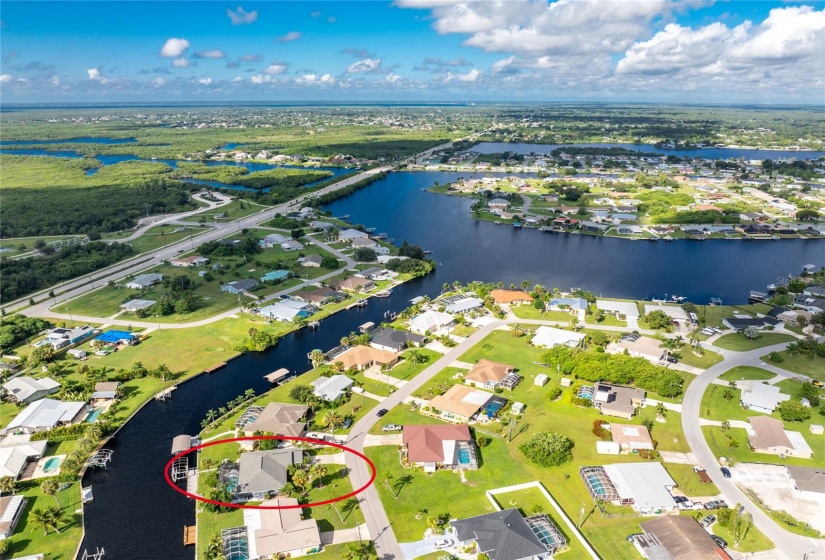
(688, 481)
(738, 342)
(159, 236)
(530, 312)
(812, 367)
(718, 442)
(704, 361)
(754, 541)
(747, 372)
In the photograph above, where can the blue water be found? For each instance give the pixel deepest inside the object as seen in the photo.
(586, 393)
(706, 153)
(52, 465)
(112, 159)
(92, 417)
(467, 250)
(464, 456)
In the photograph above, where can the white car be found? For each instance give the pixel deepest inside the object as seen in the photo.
(443, 543)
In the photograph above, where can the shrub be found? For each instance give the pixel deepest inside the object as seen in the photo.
(601, 432)
(548, 449)
(554, 393)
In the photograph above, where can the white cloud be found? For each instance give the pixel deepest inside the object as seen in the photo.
(215, 53)
(250, 57)
(470, 76)
(366, 65)
(173, 48)
(205, 81)
(6, 78)
(180, 63)
(276, 68)
(260, 79)
(242, 17)
(289, 37)
(157, 82)
(55, 80)
(237, 80)
(314, 79)
(94, 73)
(787, 34)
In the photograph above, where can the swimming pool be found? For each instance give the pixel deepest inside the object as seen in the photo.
(586, 393)
(52, 464)
(92, 417)
(464, 456)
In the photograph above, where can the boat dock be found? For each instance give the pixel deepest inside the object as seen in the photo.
(215, 367)
(276, 375)
(165, 394)
(190, 535)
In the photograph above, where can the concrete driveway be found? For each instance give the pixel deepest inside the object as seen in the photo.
(424, 546)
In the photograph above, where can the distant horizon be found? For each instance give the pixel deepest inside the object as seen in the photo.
(659, 51)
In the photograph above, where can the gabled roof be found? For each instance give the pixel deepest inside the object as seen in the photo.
(488, 370)
(509, 296)
(359, 356)
(279, 530)
(280, 420)
(394, 338)
(502, 535)
(762, 395)
(462, 400)
(425, 444)
(24, 387)
(13, 458)
(768, 432)
(265, 471)
(809, 479)
(330, 388)
(46, 414)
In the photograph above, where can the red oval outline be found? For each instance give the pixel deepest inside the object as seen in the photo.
(169, 481)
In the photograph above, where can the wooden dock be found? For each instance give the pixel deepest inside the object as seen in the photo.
(276, 375)
(165, 394)
(190, 535)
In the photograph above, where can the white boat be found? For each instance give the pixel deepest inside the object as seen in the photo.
(678, 299)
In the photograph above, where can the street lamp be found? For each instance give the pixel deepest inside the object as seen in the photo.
(66, 309)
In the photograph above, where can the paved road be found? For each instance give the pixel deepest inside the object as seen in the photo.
(137, 264)
(793, 546)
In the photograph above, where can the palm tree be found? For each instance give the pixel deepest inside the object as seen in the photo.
(725, 425)
(214, 550)
(316, 357)
(49, 488)
(249, 394)
(415, 357)
(49, 518)
(387, 477)
(525, 285)
(433, 522)
(163, 372)
(333, 420)
(7, 485)
(207, 463)
(300, 478)
(348, 507)
(516, 330)
(661, 410)
(318, 472)
(360, 550)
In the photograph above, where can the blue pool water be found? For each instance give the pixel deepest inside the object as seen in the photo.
(92, 417)
(52, 465)
(464, 456)
(586, 393)
(492, 408)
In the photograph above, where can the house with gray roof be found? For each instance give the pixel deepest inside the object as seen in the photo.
(761, 397)
(349, 234)
(239, 286)
(264, 473)
(144, 281)
(394, 340)
(137, 305)
(272, 240)
(807, 479)
(46, 414)
(330, 388)
(26, 389)
(464, 305)
(501, 535)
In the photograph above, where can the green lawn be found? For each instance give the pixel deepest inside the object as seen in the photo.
(754, 541)
(406, 370)
(463, 330)
(812, 367)
(336, 483)
(607, 321)
(231, 211)
(403, 415)
(688, 481)
(530, 312)
(747, 372)
(704, 361)
(718, 442)
(58, 546)
(531, 501)
(210, 523)
(738, 342)
(157, 237)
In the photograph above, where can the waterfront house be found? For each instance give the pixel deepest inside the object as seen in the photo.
(262, 474)
(187, 262)
(135, 305)
(347, 235)
(548, 337)
(106, 392)
(364, 357)
(510, 297)
(364, 243)
(621, 309)
(316, 225)
(566, 304)
(463, 305)
(498, 204)
(331, 388)
(144, 281)
(275, 276)
(24, 389)
(593, 227)
(286, 310)
(434, 447)
(276, 533)
(312, 261)
(370, 273)
(272, 240)
(430, 322)
(677, 537)
(319, 296)
(761, 397)
(278, 419)
(15, 457)
(768, 435)
(239, 286)
(741, 323)
(459, 403)
(795, 317)
(353, 284)
(46, 414)
(617, 400)
(393, 340)
(566, 223)
(507, 535)
(489, 375)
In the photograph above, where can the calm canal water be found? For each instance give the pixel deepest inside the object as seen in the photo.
(136, 516)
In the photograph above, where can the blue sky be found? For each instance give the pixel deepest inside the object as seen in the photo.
(428, 50)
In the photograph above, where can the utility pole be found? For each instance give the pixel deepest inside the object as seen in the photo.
(581, 516)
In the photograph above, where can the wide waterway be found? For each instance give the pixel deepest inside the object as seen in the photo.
(136, 516)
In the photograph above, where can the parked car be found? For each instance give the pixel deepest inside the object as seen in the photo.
(347, 423)
(381, 412)
(443, 543)
(680, 499)
(672, 360)
(725, 472)
(391, 428)
(817, 383)
(715, 504)
(708, 521)
(720, 541)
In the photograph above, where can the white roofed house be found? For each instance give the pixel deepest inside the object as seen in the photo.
(144, 281)
(643, 347)
(26, 389)
(618, 308)
(761, 397)
(464, 305)
(46, 414)
(547, 337)
(15, 457)
(430, 322)
(272, 240)
(349, 234)
(274, 533)
(330, 388)
(643, 486)
(134, 305)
